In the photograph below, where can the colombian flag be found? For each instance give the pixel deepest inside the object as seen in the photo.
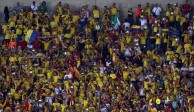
(31, 35)
(136, 29)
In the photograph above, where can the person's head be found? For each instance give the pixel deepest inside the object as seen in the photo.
(114, 4)
(148, 4)
(176, 4)
(18, 3)
(86, 6)
(68, 6)
(130, 9)
(95, 7)
(105, 7)
(33, 3)
(139, 6)
(6, 8)
(168, 5)
(44, 3)
(156, 5)
(60, 4)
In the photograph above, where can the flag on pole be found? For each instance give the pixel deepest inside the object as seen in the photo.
(28, 34)
(31, 35)
(116, 22)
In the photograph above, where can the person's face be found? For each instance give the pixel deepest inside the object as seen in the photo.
(168, 5)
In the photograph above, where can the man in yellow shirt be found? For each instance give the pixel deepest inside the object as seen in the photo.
(96, 13)
(75, 17)
(46, 44)
(158, 43)
(114, 9)
(143, 42)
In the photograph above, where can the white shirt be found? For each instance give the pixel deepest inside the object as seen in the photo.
(137, 49)
(34, 8)
(103, 110)
(156, 10)
(40, 105)
(126, 24)
(56, 91)
(108, 63)
(108, 105)
(184, 69)
(68, 76)
(85, 13)
(127, 52)
(191, 69)
(102, 70)
(98, 93)
(49, 100)
(143, 22)
(172, 63)
(136, 40)
(141, 92)
(97, 27)
(29, 46)
(191, 28)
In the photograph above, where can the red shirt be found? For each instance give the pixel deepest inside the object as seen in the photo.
(151, 20)
(111, 35)
(7, 104)
(23, 44)
(186, 8)
(138, 12)
(36, 45)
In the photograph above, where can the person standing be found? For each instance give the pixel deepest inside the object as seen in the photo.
(12, 44)
(156, 10)
(148, 9)
(6, 14)
(130, 16)
(34, 8)
(43, 7)
(23, 44)
(113, 9)
(186, 8)
(18, 8)
(96, 13)
(138, 13)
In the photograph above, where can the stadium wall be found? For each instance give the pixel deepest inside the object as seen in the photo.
(122, 4)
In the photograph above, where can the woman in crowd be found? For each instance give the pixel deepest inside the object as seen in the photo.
(6, 14)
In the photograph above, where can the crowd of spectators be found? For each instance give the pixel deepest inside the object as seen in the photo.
(95, 60)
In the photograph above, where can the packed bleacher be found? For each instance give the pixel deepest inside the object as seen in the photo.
(95, 60)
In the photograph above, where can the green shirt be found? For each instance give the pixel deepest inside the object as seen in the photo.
(43, 8)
